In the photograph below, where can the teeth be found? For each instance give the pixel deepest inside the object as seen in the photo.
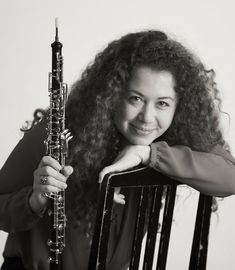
(145, 129)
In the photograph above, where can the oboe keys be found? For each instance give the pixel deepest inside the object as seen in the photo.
(65, 138)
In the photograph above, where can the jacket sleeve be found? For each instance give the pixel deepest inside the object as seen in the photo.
(16, 181)
(16, 214)
(210, 173)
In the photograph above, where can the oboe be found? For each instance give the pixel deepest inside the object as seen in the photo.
(57, 147)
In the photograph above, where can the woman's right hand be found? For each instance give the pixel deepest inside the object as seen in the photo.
(48, 178)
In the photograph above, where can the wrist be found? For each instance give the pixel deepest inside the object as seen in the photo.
(145, 154)
(37, 203)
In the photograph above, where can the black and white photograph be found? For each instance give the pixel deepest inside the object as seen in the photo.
(117, 135)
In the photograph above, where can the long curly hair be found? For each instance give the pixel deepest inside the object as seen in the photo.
(91, 106)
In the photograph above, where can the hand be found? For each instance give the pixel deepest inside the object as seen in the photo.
(47, 179)
(129, 157)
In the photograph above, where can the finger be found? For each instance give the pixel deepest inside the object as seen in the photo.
(122, 163)
(119, 198)
(67, 171)
(102, 174)
(49, 161)
(50, 181)
(116, 167)
(49, 171)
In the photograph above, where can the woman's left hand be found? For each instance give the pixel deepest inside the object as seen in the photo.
(129, 157)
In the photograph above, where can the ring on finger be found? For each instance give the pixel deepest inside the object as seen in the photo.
(43, 180)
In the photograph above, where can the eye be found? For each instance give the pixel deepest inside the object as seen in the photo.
(134, 99)
(162, 104)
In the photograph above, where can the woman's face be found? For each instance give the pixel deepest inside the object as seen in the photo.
(147, 107)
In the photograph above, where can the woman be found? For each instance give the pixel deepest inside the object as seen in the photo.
(145, 99)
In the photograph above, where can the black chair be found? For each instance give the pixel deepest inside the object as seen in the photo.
(152, 188)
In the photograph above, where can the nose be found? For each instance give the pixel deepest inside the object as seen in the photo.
(147, 114)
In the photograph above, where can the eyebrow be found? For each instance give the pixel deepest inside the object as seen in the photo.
(161, 98)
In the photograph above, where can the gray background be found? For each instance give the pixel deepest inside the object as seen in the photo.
(27, 30)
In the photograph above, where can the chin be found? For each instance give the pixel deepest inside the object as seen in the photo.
(139, 141)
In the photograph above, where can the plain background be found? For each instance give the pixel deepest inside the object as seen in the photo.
(85, 27)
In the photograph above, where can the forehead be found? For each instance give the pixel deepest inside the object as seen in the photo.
(151, 82)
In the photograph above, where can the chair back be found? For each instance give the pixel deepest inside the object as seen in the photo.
(155, 202)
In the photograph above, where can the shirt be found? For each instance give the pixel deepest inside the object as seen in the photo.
(29, 232)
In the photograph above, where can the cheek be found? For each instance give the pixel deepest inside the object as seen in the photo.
(125, 112)
(166, 118)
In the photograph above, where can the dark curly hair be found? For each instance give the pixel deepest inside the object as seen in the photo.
(91, 105)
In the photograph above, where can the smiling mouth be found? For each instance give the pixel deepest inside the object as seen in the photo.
(143, 131)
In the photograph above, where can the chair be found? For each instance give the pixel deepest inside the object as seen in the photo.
(153, 188)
